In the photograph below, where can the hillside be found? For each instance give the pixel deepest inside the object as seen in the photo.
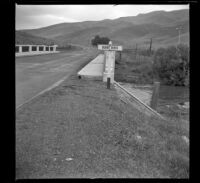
(25, 38)
(159, 25)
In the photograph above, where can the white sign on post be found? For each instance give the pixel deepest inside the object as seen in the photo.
(110, 48)
(109, 60)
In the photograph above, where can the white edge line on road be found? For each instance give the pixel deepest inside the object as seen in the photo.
(43, 91)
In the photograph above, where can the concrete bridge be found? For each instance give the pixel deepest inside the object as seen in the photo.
(96, 70)
(24, 50)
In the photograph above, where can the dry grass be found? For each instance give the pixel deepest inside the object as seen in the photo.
(134, 69)
(105, 137)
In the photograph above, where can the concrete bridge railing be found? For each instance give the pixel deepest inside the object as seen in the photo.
(22, 50)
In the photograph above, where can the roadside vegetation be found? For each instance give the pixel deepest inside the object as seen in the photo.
(105, 137)
(69, 47)
(168, 65)
(99, 40)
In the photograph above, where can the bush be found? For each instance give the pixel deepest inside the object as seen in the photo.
(99, 40)
(168, 65)
(172, 65)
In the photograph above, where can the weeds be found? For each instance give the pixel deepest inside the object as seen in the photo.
(135, 69)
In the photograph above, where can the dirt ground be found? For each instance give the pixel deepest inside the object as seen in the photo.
(81, 129)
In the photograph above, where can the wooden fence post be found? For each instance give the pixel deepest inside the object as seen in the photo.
(155, 95)
(108, 83)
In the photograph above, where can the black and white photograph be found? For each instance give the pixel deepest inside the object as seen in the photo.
(102, 91)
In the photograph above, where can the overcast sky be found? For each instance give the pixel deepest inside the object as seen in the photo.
(35, 16)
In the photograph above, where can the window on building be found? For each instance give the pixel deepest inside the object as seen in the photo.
(34, 48)
(51, 48)
(16, 49)
(41, 48)
(47, 48)
(25, 48)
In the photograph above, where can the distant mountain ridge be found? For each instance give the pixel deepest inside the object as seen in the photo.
(128, 31)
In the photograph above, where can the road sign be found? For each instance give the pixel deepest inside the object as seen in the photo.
(110, 47)
(109, 52)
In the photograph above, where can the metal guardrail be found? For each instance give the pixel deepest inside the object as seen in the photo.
(152, 111)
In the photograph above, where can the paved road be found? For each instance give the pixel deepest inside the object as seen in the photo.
(36, 73)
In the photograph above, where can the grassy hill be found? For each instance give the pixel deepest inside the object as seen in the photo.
(159, 17)
(25, 38)
(159, 25)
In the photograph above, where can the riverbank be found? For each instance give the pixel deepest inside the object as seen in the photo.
(136, 73)
(173, 102)
(81, 129)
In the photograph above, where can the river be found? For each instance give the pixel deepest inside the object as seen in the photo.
(172, 99)
(173, 94)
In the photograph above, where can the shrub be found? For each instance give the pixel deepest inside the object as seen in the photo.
(99, 40)
(172, 64)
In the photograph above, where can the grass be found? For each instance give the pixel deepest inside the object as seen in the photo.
(104, 136)
(139, 70)
(134, 69)
(69, 48)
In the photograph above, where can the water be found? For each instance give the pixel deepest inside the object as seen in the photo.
(169, 102)
(172, 94)
(168, 95)
(169, 99)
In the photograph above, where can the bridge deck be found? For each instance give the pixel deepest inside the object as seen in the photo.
(34, 53)
(94, 68)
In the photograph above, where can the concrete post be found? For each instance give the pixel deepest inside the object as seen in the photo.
(105, 66)
(29, 48)
(20, 49)
(155, 95)
(109, 66)
(54, 47)
(109, 60)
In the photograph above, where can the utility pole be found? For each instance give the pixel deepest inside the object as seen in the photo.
(150, 46)
(178, 51)
(179, 40)
(136, 51)
(179, 32)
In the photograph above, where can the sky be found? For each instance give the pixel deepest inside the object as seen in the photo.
(36, 16)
